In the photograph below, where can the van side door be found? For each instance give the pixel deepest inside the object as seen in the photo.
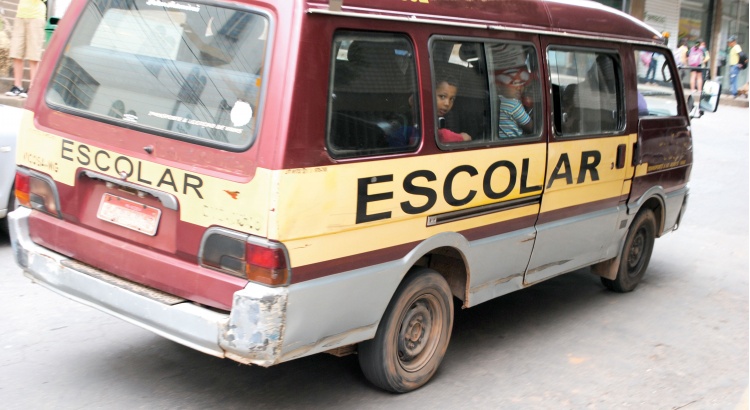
(588, 159)
(664, 156)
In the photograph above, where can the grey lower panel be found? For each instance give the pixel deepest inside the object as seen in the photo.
(674, 207)
(346, 308)
(572, 243)
(497, 264)
(272, 325)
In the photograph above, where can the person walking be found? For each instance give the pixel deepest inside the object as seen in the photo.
(26, 43)
(681, 57)
(650, 57)
(734, 66)
(706, 59)
(697, 59)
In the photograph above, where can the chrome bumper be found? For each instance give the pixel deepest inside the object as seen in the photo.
(251, 333)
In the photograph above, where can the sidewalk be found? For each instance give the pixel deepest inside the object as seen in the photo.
(727, 99)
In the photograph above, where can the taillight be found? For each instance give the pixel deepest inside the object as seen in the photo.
(37, 191)
(266, 265)
(22, 189)
(245, 256)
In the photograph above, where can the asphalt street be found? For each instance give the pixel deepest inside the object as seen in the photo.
(679, 341)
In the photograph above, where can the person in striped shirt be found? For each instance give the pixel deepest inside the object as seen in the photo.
(513, 119)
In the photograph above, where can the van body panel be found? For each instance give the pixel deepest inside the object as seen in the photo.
(332, 226)
(597, 194)
(203, 196)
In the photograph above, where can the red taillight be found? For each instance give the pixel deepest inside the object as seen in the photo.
(22, 189)
(245, 256)
(266, 265)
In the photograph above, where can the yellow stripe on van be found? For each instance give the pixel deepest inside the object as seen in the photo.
(583, 171)
(204, 200)
(329, 212)
(332, 212)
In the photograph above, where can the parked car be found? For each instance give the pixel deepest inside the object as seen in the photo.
(8, 131)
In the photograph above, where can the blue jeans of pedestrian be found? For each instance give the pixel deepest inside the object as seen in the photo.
(651, 73)
(734, 71)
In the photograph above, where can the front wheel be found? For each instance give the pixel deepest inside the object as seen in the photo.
(413, 335)
(636, 253)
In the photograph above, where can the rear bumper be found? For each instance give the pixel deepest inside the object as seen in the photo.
(252, 332)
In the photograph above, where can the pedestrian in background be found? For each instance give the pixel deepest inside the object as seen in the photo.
(706, 59)
(681, 57)
(734, 66)
(649, 59)
(26, 42)
(697, 61)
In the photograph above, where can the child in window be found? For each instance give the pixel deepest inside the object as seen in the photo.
(513, 120)
(445, 95)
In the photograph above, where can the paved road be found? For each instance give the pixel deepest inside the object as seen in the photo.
(680, 341)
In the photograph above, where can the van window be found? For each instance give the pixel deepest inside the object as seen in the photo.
(587, 92)
(656, 91)
(461, 95)
(201, 81)
(373, 104)
(497, 113)
(515, 72)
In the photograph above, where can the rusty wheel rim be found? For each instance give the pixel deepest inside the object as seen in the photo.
(419, 332)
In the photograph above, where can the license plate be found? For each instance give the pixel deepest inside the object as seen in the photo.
(130, 214)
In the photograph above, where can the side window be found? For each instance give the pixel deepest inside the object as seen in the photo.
(462, 103)
(373, 102)
(587, 92)
(486, 92)
(519, 98)
(656, 91)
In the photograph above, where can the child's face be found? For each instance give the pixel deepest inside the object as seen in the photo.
(444, 97)
(509, 91)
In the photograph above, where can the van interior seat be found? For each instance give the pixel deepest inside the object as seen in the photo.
(370, 96)
(570, 122)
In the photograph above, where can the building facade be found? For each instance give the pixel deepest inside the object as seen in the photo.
(710, 20)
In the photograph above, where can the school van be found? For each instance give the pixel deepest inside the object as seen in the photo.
(263, 180)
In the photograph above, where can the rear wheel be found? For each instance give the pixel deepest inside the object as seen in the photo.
(635, 254)
(412, 336)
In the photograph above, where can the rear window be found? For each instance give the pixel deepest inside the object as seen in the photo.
(184, 70)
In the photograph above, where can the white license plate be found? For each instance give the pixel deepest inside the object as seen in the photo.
(130, 214)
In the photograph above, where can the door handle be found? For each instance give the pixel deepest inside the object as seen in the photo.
(621, 151)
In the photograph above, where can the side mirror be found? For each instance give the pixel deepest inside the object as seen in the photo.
(710, 96)
(709, 101)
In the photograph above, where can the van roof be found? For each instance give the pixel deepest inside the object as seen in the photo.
(576, 17)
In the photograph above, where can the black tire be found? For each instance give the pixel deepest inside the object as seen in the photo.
(636, 253)
(413, 335)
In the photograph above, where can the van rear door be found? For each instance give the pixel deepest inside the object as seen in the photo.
(147, 132)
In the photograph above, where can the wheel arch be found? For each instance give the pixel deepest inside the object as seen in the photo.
(653, 199)
(445, 253)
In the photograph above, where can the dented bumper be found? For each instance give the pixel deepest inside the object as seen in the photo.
(251, 333)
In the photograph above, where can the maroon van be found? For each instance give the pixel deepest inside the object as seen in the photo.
(263, 180)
